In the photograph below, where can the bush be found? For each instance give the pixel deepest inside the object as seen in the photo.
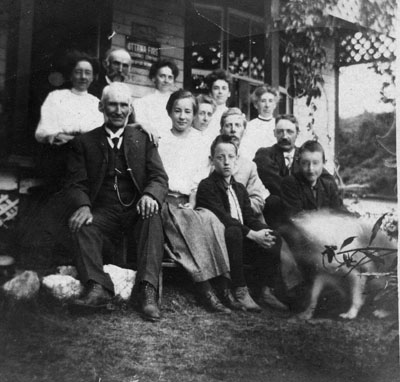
(361, 159)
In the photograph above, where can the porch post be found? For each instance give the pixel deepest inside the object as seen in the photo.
(272, 43)
(23, 71)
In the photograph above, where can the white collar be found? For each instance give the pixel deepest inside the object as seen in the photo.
(265, 119)
(111, 136)
(117, 134)
(289, 154)
(78, 92)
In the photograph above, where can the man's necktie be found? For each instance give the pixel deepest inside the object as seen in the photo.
(288, 163)
(314, 192)
(115, 142)
(236, 211)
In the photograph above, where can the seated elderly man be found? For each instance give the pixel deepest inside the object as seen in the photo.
(116, 182)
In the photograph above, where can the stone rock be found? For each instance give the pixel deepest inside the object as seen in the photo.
(68, 270)
(123, 280)
(24, 286)
(63, 287)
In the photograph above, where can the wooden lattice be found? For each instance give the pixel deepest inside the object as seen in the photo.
(8, 209)
(363, 47)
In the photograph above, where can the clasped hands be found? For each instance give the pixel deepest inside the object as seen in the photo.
(264, 237)
(146, 207)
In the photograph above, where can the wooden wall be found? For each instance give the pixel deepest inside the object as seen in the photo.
(167, 17)
(3, 56)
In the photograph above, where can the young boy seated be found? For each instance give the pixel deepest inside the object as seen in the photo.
(247, 239)
(306, 189)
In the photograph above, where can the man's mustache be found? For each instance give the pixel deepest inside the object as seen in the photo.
(284, 141)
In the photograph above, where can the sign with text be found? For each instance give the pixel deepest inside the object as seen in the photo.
(143, 54)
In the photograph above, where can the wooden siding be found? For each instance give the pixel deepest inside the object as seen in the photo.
(3, 52)
(167, 17)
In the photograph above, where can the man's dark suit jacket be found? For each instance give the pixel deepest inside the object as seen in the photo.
(272, 168)
(88, 160)
(212, 194)
(97, 86)
(297, 195)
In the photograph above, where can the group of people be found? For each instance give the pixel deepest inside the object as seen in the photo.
(184, 170)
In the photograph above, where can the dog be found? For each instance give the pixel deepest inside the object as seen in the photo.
(315, 237)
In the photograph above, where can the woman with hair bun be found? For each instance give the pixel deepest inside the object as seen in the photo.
(68, 112)
(150, 110)
(260, 130)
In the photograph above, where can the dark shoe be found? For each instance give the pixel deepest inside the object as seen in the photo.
(228, 300)
(243, 296)
(213, 304)
(96, 296)
(148, 302)
(268, 298)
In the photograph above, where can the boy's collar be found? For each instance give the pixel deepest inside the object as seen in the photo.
(218, 178)
(305, 181)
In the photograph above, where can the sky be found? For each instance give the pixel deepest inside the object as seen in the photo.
(359, 90)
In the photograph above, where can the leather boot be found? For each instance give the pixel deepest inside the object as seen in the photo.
(212, 303)
(268, 298)
(95, 296)
(148, 302)
(228, 300)
(243, 296)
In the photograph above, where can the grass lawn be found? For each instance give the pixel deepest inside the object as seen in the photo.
(45, 342)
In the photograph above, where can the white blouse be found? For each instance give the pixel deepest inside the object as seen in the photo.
(185, 161)
(259, 133)
(151, 110)
(68, 111)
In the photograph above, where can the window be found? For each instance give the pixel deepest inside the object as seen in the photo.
(246, 43)
(230, 35)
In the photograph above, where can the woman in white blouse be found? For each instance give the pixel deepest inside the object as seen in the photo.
(196, 236)
(150, 110)
(219, 84)
(66, 113)
(260, 130)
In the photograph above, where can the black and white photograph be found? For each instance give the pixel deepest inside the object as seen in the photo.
(199, 191)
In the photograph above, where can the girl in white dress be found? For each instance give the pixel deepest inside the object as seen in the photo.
(195, 236)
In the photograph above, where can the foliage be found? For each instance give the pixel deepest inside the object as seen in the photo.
(388, 223)
(379, 13)
(306, 25)
(358, 153)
